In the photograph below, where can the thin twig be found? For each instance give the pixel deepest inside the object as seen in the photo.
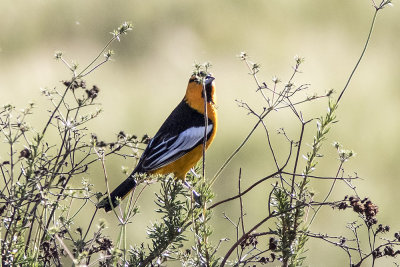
(241, 201)
(361, 56)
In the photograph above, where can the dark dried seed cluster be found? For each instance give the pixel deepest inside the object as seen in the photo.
(251, 240)
(25, 153)
(75, 84)
(92, 93)
(50, 251)
(94, 137)
(273, 244)
(397, 236)
(342, 205)
(145, 139)
(382, 229)
(97, 142)
(370, 212)
(101, 144)
(41, 172)
(2, 209)
(387, 251)
(264, 260)
(121, 135)
(364, 207)
(104, 244)
(122, 140)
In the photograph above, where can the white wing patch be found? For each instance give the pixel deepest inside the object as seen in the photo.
(174, 147)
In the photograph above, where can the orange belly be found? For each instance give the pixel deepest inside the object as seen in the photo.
(182, 166)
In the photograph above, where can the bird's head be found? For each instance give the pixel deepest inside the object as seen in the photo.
(195, 89)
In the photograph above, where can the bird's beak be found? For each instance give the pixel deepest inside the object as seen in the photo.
(209, 80)
(209, 86)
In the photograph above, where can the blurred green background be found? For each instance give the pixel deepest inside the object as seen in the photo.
(152, 64)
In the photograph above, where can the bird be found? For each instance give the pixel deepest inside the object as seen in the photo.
(178, 144)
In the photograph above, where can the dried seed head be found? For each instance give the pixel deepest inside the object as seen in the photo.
(397, 236)
(71, 84)
(342, 205)
(82, 84)
(2, 209)
(145, 139)
(101, 144)
(92, 93)
(273, 244)
(389, 251)
(358, 207)
(121, 135)
(25, 153)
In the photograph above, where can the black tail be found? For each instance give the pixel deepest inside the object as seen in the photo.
(120, 192)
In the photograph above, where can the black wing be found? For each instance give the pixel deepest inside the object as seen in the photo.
(181, 132)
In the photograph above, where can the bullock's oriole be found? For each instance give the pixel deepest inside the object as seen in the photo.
(178, 144)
